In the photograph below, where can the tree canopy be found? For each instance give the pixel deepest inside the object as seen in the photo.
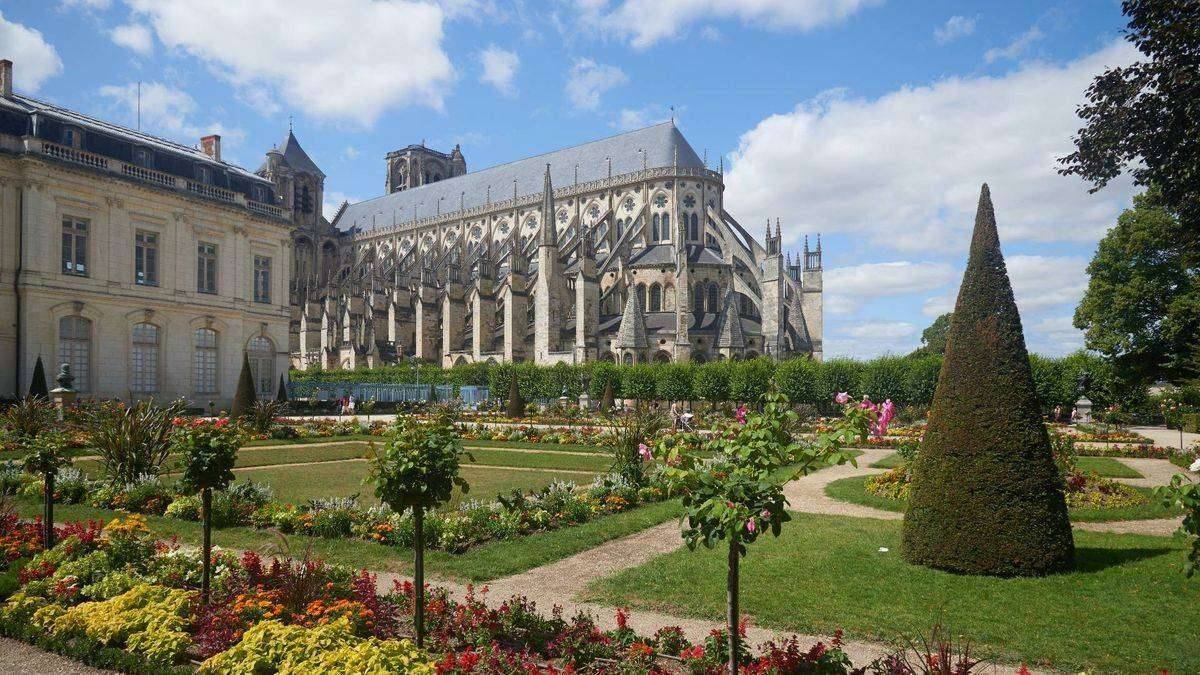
(933, 338)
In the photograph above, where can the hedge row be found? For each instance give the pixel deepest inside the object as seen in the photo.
(907, 381)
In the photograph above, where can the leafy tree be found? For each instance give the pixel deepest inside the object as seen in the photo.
(37, 385)
(30, 422)
(799, 379)
(884, 378)
(986, 496)
(732, 487)
(209, 449)
(921, 378)
(418, 470)
(638, 382)
(674, 382)
(748, 380)
(1185, 493)
(1142, 305)
(1142, 118)
(711, 381)
(838, 375)
(245, 398)
(933, 338)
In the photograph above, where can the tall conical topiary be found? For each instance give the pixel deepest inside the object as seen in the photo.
(516, 406)
(245, 398)
(37, 385)
(986, 497)
(607, 399)
(282, 395)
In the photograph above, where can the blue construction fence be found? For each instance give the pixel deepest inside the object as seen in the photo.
(470, 396)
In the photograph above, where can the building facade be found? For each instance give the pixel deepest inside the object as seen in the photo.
(619, 249)
(148, 266)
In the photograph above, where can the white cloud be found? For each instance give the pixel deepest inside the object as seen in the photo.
(589, 80)
(1053, 336)
(351, 152)
(1040, 281)
(938, 305)
(1015, 48)
(711, 33)
(85, 4)
(638, 118)
(348, 60)
(955, 27)
(904, 170)
(848, 288)
(34, 59)
(499, 68)
(645, 22)
(867, 339)
(333, 201)
(167, 111)
(133, 36)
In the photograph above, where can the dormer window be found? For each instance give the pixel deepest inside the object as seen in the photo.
(203, 173)
(143, 157)
(258, 193)
(71, 137)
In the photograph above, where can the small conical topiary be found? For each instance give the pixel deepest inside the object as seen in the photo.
(282, 395)
(37, 386)
(607, 399)
(245, 398)
(986, 497)
(516, 406)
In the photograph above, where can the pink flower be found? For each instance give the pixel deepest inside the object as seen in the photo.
(740, 415)
(750, 526)
(644, 452)
(766, 513)
(842, 398)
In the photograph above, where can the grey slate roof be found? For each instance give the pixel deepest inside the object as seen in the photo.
(660, 142)
(730, 334)
(295, 157)
(632, 333)
(29, 105)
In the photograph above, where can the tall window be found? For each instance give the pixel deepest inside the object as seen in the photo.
(261, 352)
(641, 291)
(206, 268)
(654, 220)
(666, 227)
(145, 359)
(655, 298)
(75, 349)
(695, 228)
(74, 246)
(204, 361)
(145, 258)
(262, 279)
(698, 300)
(713, 290)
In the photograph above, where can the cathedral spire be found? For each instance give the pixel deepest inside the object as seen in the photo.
(549, 234)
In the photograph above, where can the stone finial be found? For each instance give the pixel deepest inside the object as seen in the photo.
(549, 233)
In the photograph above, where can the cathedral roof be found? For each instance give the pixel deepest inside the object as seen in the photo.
(632, 333)
(661, 143)
(295, 157)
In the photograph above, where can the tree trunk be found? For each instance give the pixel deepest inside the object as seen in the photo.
(731, 601)
(206, 518)
(48, 517)
(419, 575)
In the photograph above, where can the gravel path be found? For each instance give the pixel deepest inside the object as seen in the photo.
(1154, 472)
(18, 658)
(807, 495)
(1167, 438)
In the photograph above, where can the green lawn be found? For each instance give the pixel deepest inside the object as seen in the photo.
(854, 490)
(342, 479)
(481, 563)
(1105, 466)
(251, 456)
(541, 460)
(569, 447)
(1127, 608)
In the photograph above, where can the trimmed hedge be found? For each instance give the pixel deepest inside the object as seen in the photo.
(986, 496)
(905, 380)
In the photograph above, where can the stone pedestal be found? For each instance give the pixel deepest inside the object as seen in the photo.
(585, 401)
(1083, 410)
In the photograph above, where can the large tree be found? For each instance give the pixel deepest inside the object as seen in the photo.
(1142, 305)
(933, 338)
(986, 497)
(1144, 118)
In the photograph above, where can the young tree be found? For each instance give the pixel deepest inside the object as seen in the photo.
(245, 398)
(1142, 305)
(37, 385)
(732, 488)
(209, 449)
(418, 470)
(986, 497)
(30, 422)
(1141, 118)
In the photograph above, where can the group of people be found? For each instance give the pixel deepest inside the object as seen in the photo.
(346, 405)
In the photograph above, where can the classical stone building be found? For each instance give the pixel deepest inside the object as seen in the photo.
(150, 267)
(619, 249)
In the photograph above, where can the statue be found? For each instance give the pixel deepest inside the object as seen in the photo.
(1084, 382)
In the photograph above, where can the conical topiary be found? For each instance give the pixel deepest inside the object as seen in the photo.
(282, 395)
(986, 497)
(516, 406)
(37, 386)
(607, 399)
(244, 400)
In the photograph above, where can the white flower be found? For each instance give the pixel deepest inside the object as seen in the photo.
(883, 549)
(1195, 465)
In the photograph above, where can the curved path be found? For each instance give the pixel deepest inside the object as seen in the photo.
(807, 494)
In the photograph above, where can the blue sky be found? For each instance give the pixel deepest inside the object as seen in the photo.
(872, 122)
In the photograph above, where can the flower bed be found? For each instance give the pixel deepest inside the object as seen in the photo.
(1084, 490)
(1135, 451)
(115, 598)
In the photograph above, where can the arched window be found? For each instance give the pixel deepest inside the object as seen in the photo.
(144, 359)
(261, 352)
(655, 298)
(620, 227)
(204, 361)
(713, 291)
(654, 220)
(666, 227)
(75, 349)
(695, 228)
(698, 300)
(628, 359)
(641, 291)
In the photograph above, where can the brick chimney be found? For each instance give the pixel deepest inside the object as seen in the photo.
(6, 78)
(211, 146)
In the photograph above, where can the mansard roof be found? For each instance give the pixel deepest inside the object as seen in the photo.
(661, 142)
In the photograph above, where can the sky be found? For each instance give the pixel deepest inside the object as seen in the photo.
(870, 122)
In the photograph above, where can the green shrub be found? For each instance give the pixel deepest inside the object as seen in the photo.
(837, 375)
(638, 382)
(920, 380)
(674, 382)
(749, 380)
(800, 380)
(711, 382)
(1191, 423)
(986, 496)
(884, 378)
